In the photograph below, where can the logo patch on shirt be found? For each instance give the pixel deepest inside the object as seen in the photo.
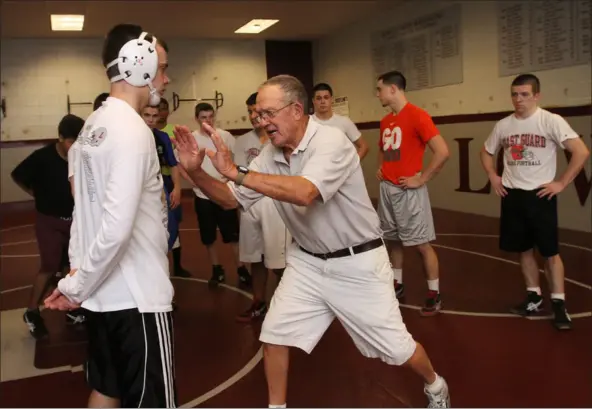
(252, 154)
(98, 136)
(522, 156)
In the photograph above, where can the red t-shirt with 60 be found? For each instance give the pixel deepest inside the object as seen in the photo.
(403, 138)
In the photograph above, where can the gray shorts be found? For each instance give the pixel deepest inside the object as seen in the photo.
(405, 214)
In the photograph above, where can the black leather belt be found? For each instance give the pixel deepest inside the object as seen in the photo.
(360, 248)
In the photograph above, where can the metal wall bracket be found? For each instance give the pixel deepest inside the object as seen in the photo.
(70, 103)
(218, 99)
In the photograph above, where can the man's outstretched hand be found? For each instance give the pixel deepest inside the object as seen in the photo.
(190, 156)
(222, 158)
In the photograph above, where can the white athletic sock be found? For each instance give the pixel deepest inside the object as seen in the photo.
(278, 406)
(398, 272)
(434, 285)
(558, 296)
(534, 289)
(436, 387)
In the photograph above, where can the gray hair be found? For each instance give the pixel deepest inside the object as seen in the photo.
(293, 89)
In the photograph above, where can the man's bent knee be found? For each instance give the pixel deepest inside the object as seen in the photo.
(401, 355)
(424, 248)
(551, 261)
(271, 349)
(98, 400)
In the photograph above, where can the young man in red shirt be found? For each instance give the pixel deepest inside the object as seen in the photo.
(404, 204)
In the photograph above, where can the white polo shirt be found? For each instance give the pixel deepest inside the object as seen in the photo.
(343, 215)
(118, 238)
(530, 147)
(204, 141)
(341, 122)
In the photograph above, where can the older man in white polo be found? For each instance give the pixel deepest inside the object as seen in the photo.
(337, 265)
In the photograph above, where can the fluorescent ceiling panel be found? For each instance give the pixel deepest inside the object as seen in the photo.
(67, 22)
(256, 26)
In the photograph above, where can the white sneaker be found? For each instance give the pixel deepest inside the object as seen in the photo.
(440, 399)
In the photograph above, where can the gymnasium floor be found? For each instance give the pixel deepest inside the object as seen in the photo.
(490, 358)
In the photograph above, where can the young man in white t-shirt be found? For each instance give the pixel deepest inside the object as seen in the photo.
(118, 244)
(530, 138)
(263, 235)
(210, 215)
(322, 99)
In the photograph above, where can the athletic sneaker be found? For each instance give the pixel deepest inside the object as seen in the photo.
(218, 275)
(75, 317)
(433, 304)
(256, 311)
(439, 400)
(561, 319)
(532, 305)
(244, 277)
(35, 323)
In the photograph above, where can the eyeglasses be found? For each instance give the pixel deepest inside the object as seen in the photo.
(267, 115)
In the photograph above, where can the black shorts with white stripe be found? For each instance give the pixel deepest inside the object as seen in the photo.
(131, 357)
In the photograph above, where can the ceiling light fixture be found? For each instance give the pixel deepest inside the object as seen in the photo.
(256, 26)
(67, 22)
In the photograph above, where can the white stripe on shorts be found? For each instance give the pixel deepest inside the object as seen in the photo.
(145, 361)
(164, 342)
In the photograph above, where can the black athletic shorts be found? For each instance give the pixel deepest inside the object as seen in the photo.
(212, 216)
(53, 237)
(528, 221)
(131, 357)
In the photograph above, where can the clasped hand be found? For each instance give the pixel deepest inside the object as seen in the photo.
(58, 301)
(191, 156)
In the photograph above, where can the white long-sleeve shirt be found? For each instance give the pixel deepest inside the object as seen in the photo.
(119, 231)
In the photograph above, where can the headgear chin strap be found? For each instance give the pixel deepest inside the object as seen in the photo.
(154, 96)
(137, 64)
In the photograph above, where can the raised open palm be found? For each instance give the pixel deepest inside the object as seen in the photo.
(190, 155)
(222, 158)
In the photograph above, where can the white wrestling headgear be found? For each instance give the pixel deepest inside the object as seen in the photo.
(137, 64)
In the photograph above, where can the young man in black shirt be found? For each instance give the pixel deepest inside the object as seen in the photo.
(44, 175)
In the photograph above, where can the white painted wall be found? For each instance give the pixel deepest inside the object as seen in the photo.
(343, 60)
(38, 74)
